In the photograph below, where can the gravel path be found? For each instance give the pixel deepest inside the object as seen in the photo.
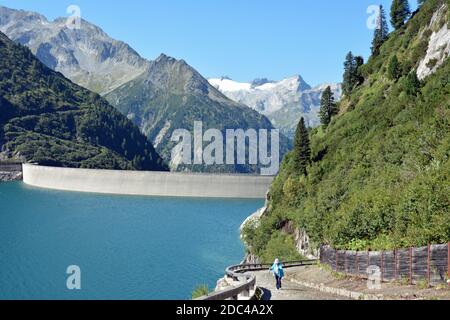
(290, 291)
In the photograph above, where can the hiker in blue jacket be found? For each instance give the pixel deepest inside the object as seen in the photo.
(277, 269)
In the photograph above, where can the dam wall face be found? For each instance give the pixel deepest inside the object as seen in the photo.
(165, 184)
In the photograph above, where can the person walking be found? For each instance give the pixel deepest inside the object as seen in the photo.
(277, 269)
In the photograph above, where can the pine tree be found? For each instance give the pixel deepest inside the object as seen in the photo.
(352, 76)
(302, 149)
(347, 86)
(357, 76)
(381, 32)
(413, 84)
(420, 2)
(399, 13)
(328, 107)
(394, 69)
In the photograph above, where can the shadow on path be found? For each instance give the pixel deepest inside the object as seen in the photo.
(267, 294)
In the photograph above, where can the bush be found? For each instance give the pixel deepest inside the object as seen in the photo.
(200, 291)
(280, 246)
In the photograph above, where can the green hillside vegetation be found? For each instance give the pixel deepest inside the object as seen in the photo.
(47, 119)
(379, 173)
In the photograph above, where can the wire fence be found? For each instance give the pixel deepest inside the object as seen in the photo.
(10, 166)
(430, 264)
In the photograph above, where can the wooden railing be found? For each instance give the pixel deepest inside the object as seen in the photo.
(247, 282)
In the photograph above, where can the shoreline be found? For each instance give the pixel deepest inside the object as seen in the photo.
(224, 283)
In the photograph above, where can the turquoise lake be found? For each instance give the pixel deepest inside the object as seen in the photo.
(126, 247)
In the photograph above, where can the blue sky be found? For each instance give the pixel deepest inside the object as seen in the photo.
(243, 39)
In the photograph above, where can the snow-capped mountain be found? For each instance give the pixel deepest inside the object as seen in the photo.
(87, 56)
(170, 95)
(283, 102)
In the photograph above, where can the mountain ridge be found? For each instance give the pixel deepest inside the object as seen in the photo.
(159, 96)
(284, 102)
(47, 119)
(88, 56)
(171, 95)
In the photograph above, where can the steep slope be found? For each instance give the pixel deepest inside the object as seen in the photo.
(45, 118)
(87, 56)
(283, 102)
(172, 95)
(380, 173)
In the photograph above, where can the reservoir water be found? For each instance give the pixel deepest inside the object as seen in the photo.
(126, 247)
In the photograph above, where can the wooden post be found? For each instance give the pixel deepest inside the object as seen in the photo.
(357, 263)
(411, 265)
(337, 260)
(429, 264)
(395, 265)
(448, 260)
(345, 261)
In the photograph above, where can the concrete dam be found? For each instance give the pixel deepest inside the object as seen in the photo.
(138, 183)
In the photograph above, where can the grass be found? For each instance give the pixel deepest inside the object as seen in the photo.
(200, 291)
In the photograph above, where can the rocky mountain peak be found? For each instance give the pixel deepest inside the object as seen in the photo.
(260, 81)
(284, 102)
(87, 56)
(163, 58)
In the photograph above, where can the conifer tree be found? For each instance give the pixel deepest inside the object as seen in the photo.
(348, 69)
(413, 84)
(328, 107)
(302, 149)
(381, 32)
(394, 68)
(352, 76)
(357, 76)
(399, 13)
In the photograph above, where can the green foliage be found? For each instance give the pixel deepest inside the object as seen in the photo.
(352, 74)
(328, 107)
(399, 13)
(381, 32)
(432, 63)
(302, 149)
(394, 68)
(200, 291)
(380, 173)
(280, 246)
(47, 119)
(412, 84)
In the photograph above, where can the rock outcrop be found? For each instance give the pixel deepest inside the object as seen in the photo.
(438, 46)
(6, 176)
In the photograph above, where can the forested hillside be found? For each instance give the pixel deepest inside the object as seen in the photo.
(47, 119)
(379, 172)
